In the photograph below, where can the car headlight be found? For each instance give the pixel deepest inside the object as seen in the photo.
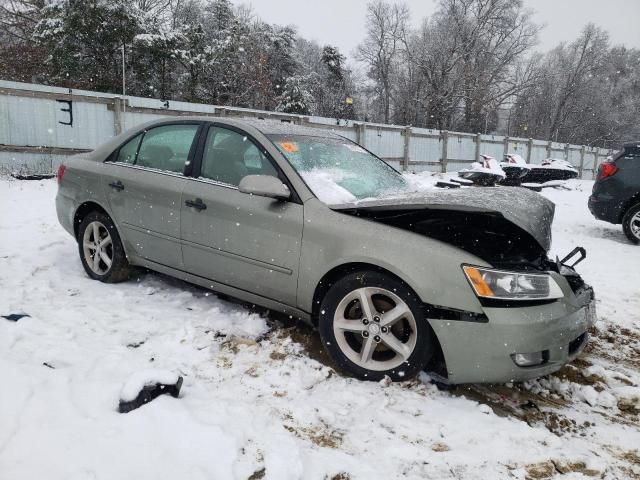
(502, 285)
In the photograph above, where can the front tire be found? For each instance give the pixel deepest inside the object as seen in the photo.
(373, 325)
(101, 251)
(631, 223)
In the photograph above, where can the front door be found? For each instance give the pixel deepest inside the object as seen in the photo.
(144, 185)
(245, 241)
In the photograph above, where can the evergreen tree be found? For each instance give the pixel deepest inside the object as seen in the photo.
(154, 63)
(84, 39)
(218, 18)
(295, 98)
(333, 60)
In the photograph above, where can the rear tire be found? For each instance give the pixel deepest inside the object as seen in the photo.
(389, 336)
(101, 251)
(631, 223)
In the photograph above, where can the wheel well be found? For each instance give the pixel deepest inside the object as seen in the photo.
(437, 363)
(83, 210)
(629, 203)
(336, 274)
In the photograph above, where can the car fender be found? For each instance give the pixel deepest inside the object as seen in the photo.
(430, 267)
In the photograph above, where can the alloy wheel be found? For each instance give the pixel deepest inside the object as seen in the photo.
(375, 328)
(98, 248)
(634, 224)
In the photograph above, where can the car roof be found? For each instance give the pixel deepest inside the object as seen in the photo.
(275, 127)
(264, 126)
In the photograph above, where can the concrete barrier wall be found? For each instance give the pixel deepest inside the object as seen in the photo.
(40, 125)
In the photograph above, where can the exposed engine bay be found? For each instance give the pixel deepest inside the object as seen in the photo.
(487, 235)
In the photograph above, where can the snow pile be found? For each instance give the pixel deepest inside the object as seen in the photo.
(423, 181)
(568, 390)
(628, 398)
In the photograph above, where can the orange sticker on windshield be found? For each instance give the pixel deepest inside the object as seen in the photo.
(290, 147)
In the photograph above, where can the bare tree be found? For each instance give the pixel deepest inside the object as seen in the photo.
(577, 64)
(571, 101)
(494, 36)
(18, 18)
(438, 57)
(386, 24)
(465, 62)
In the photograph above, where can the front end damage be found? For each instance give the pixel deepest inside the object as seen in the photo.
(511, 230)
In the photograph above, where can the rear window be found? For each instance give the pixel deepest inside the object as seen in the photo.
(632, 151)
(629, 151)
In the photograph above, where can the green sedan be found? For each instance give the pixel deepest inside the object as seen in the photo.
(304, 221)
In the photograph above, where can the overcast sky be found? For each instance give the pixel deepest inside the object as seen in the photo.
(341, 22)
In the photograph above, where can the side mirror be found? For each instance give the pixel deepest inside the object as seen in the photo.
(264, 186)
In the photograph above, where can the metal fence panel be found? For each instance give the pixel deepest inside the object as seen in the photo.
(518, 146)
(33, 116)
(388, 144)
(41, 122)
(492, 145)
(461, 148)
(423, 149)
(589, 160)
(538, 152)
(350, 133)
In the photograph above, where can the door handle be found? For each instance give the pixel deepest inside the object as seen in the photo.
(198, 204)
(117, 185)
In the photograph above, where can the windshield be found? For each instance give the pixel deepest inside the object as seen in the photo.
(337, 170)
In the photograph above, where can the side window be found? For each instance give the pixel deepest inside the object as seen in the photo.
(127, 153)
(255, 159)
(230, 156)
(166, 148)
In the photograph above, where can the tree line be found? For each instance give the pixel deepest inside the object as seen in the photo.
(472, 66)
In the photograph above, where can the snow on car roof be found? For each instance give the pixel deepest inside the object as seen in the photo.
(275, 127)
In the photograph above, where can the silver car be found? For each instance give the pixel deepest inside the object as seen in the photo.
(304, 221)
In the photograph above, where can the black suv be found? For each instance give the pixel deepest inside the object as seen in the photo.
(616, 194)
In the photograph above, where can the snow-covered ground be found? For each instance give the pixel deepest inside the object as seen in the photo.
(260, 400)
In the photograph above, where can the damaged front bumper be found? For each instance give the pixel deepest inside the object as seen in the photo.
(519, 343)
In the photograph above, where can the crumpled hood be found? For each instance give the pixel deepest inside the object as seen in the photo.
(530, 211)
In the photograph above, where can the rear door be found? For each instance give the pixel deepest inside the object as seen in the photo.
(144, 181)
(245, 241)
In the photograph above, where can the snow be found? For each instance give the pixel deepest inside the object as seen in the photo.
(259, 397)
(423, 181)
(514, 158)
(324, 184)
(488, 165)
(612, 262)
(558, 164)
